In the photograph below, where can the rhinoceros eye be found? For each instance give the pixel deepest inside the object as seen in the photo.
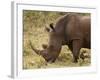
(51, 47)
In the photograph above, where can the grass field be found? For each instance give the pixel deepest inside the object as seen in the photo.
(34, 31)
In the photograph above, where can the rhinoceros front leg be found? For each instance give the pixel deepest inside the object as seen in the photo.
(76, 46)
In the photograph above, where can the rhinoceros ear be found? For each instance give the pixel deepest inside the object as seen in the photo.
(47, 29)
(52, 27)
(44, 46)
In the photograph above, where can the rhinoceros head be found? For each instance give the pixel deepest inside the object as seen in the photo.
(51, 51)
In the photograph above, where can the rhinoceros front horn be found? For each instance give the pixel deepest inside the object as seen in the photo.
(34, 49)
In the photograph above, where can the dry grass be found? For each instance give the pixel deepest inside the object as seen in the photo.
(31, 60)
(34, 30)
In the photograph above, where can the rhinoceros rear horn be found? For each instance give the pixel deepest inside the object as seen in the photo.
(34, 49)
(44, 46)
(52, 27)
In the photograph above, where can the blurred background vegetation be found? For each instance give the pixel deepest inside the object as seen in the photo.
(34, 23)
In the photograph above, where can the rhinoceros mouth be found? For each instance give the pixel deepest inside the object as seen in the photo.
(50, 59)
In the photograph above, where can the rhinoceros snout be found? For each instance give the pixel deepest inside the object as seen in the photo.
(44, 53)
(48, 57)
(51, 60)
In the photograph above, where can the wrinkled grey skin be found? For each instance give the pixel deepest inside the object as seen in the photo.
(72, 30)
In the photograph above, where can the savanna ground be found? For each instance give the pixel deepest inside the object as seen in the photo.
(34, 31)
